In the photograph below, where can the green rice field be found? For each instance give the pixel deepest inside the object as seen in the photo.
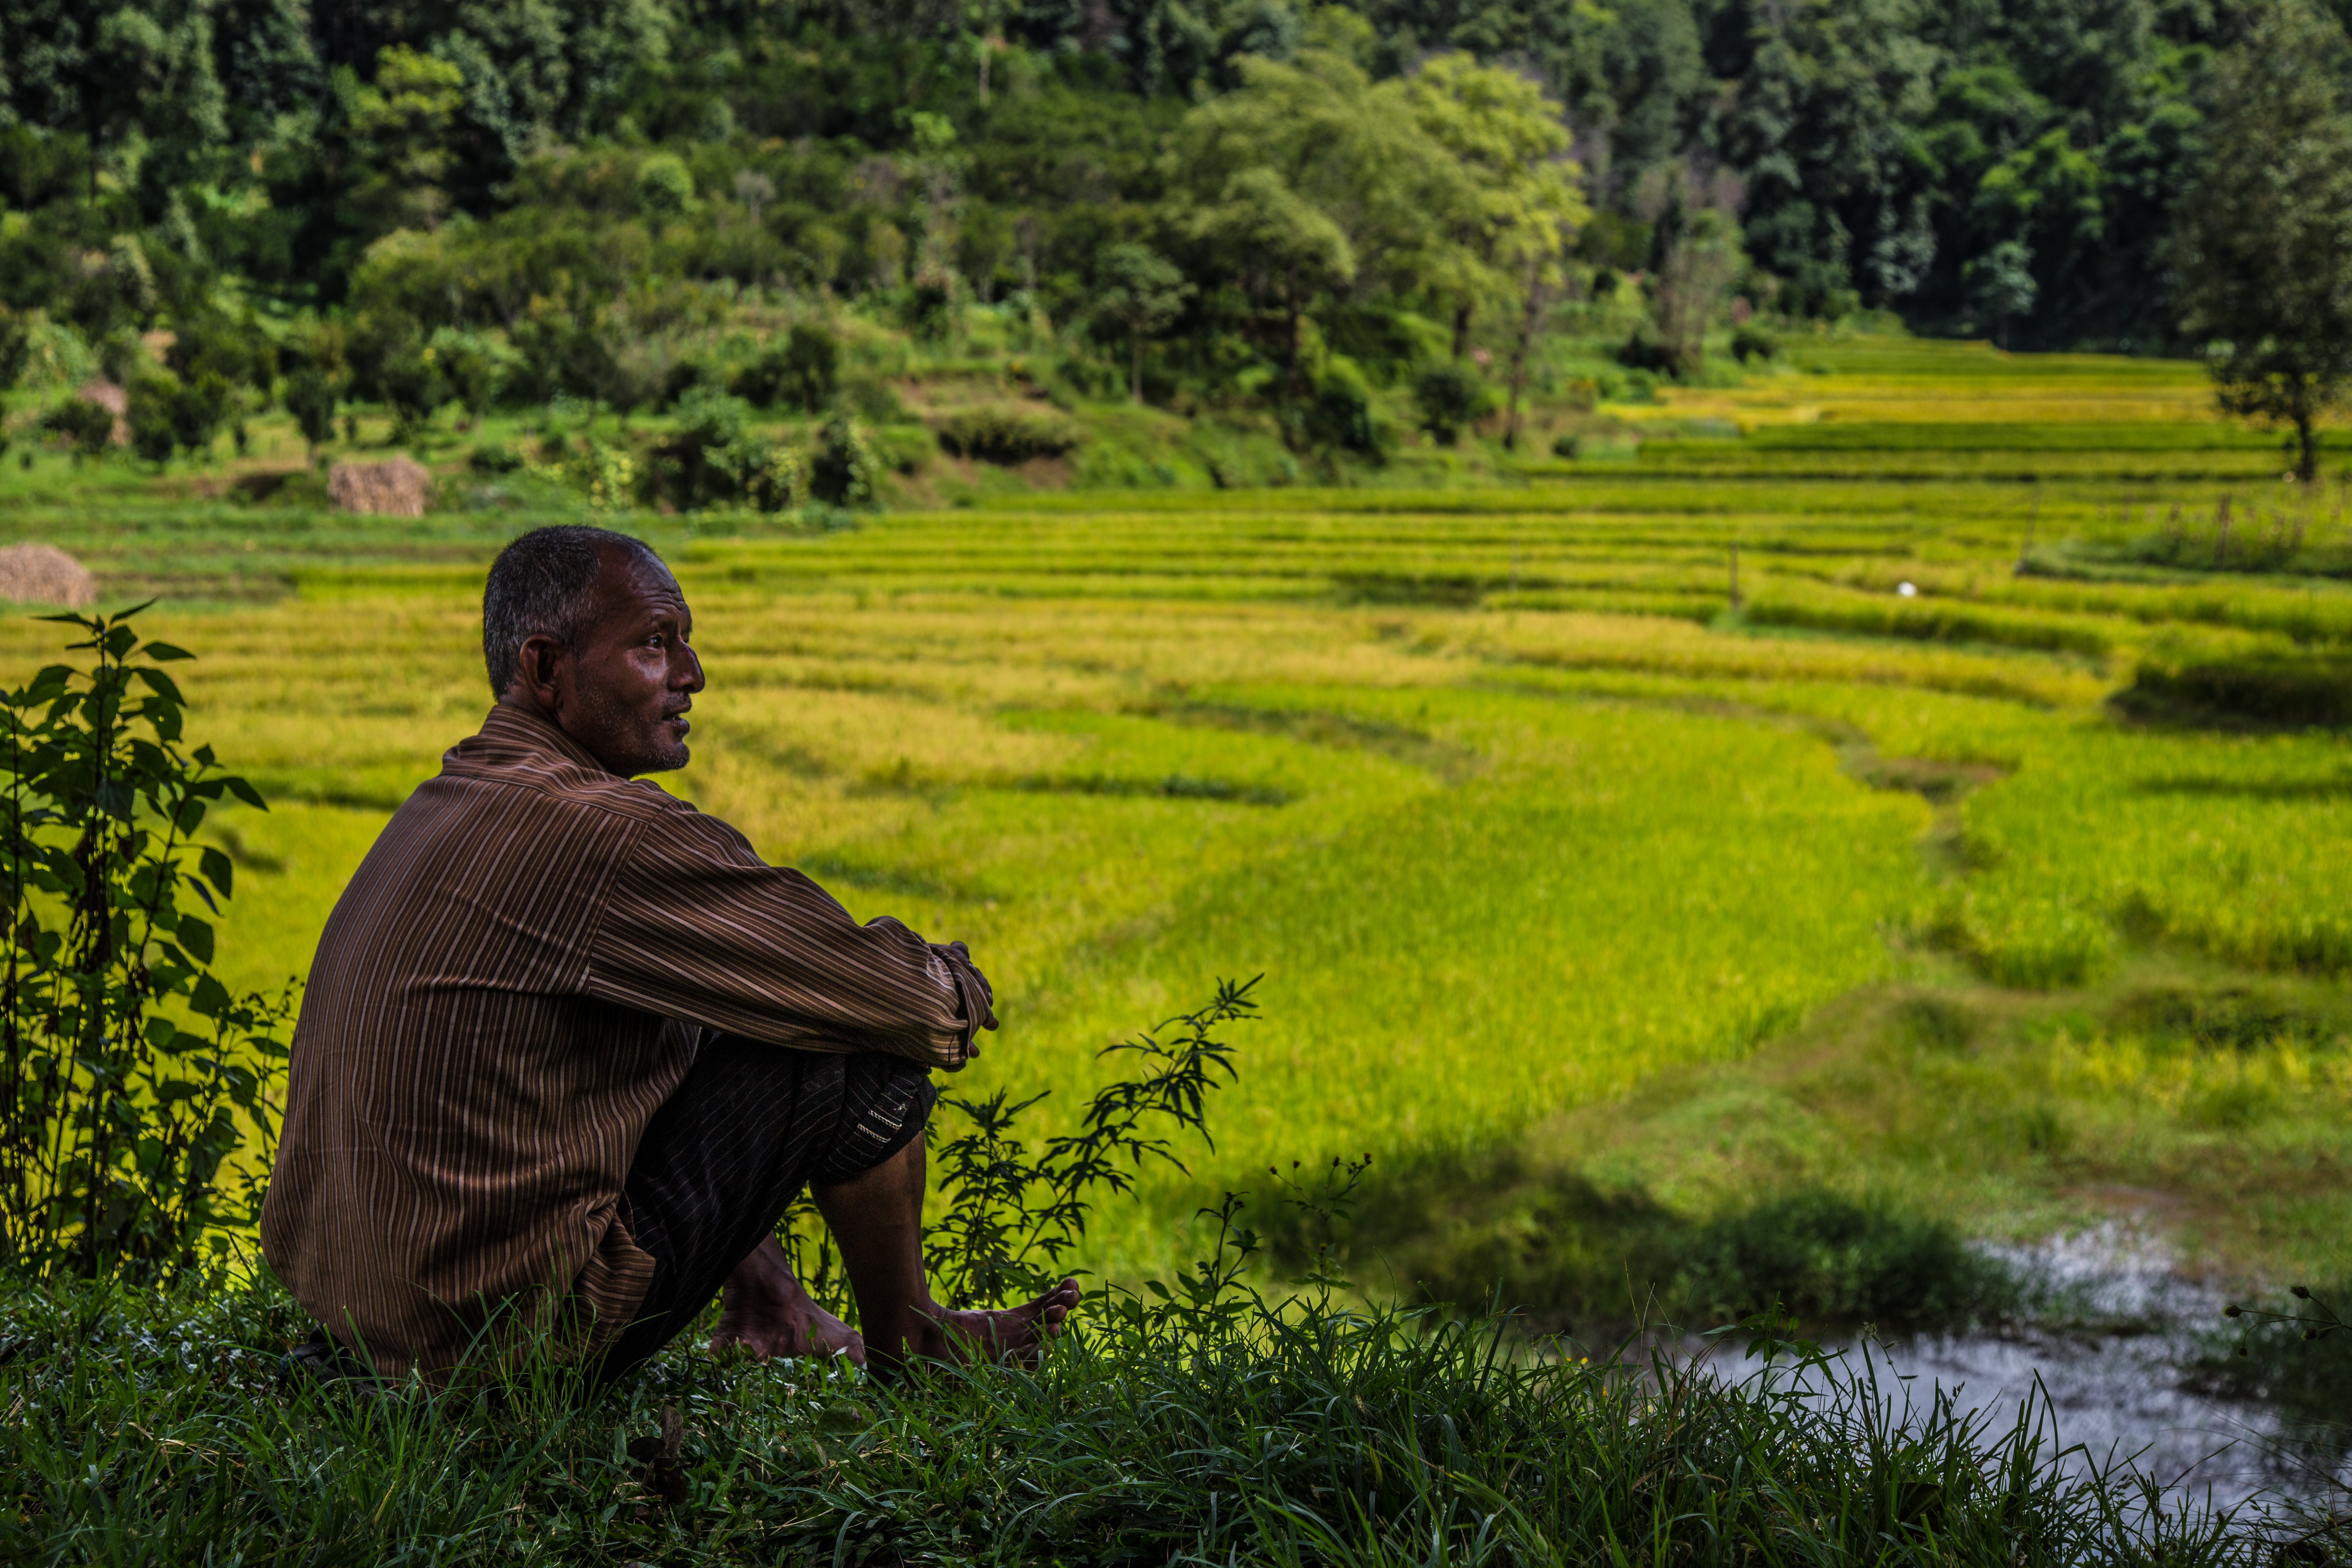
(1580, 889)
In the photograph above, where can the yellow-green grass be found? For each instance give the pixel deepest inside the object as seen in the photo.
(1514, 814)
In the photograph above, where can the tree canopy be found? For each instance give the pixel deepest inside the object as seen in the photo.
(1383, 181)
(2265, 247)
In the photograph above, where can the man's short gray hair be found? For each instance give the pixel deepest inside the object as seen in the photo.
(540, 586)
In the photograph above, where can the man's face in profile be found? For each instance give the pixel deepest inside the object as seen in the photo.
(624, 691)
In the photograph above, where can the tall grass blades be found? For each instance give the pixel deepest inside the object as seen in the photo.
(155, 1429)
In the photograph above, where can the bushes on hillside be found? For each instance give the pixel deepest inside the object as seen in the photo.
(714, 458)
(802, 372)
(83, 425)
(842, 470)
(1339, 416)
(166, 413)
(1752, 343)
(1008, 433)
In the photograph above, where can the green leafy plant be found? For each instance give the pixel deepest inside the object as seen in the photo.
(1014, 1215)
(129, 1075)
(1012, 1218)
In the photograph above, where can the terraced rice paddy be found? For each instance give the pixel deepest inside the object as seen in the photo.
(1565, 874)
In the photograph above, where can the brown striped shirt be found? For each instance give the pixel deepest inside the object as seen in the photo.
(514, 979)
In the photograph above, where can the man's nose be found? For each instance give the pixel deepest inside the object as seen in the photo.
(693, 682)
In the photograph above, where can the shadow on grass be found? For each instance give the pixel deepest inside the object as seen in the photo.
(1575, 1258)
(2257, 692)
(2337, 788)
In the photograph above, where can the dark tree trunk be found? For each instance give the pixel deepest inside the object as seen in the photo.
(1528, 319)
(1291, 339)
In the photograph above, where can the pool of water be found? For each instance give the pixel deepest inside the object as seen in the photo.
(2117, 1334)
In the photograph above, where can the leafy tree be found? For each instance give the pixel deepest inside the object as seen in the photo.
(167, 412)
(1510, 142)
(410, 378)
(134, 78)
(1696, 252)
(148, 412)
(665, 187)
(531, 74)
(1278, 241)
(311, 399)
(1142, 290)
(1827, 93)
(1308, 178)
(2000, 284)
(401, 129)
(2265, 244)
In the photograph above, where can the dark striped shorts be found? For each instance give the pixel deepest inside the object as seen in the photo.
(751, 1125)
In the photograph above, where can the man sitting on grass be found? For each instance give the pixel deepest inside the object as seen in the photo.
(569, 1047)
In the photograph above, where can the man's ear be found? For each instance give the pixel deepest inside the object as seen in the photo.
(537, 662)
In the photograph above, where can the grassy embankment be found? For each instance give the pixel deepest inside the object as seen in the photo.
(1746, 947)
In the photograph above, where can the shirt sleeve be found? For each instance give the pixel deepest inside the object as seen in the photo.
(697, 927)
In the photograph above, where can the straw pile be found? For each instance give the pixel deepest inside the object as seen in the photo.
(44, 574)
(396, 488)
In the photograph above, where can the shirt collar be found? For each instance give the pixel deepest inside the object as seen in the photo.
(508, 731)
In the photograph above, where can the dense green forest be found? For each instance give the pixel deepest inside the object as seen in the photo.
(430, 201)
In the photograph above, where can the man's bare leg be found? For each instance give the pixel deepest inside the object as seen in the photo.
(766, 1311)
(877, 1223)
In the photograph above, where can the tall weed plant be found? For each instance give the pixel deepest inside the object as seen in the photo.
(128, 1074)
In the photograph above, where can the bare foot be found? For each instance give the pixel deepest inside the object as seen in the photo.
(764, 1310)
(1014, 1336)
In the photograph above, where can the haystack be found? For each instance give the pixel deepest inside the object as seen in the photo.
(44, 574)
(397, 487)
